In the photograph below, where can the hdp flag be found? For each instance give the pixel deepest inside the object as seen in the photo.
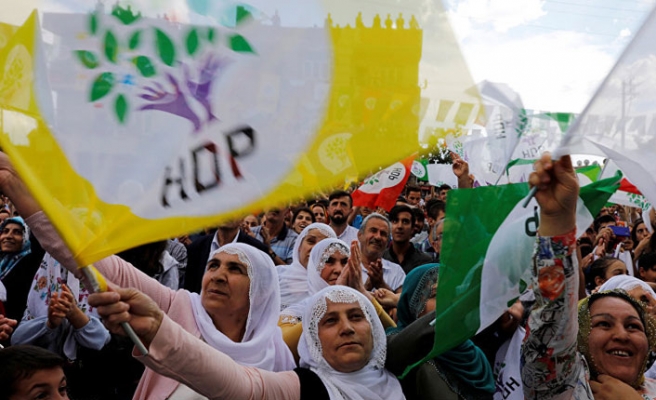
(136, 123)
(384, 187)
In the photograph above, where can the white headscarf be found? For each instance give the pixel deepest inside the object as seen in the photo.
(314, 282)
(627, 283)
(262, 345)
(293, 277)
(371, 382)
(647, 220)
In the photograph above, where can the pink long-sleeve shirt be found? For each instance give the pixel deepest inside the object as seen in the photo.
(177, 350)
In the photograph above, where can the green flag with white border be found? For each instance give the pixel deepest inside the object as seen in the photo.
(486, 254)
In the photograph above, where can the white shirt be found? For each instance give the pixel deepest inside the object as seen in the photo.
(393, 274)
(350, 234)
(215, 243)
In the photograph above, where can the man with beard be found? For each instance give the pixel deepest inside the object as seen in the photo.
(200, 249)
(402, 251)
(340, 205)
(378, 273)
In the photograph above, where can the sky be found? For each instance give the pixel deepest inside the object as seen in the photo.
(554, 53)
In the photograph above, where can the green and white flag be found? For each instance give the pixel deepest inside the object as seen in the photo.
(486, 254)
(419, 169)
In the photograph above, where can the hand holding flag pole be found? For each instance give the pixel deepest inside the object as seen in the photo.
(99, 285)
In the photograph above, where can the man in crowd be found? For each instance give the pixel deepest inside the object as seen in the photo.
(401, 251)
(442, 190)
(275, 233)
(198, 252)
(435, 210)
(340, 206)
(377, 272)
(413, 195)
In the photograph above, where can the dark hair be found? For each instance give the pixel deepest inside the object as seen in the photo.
(433, 208)
(598, 269)
(340, 193)
(647, 260)
(419, 214)
(585, 243)
(444, 187)
(601, 220)
(21, 362)
(402, 199)
(633, 230)
(146, 257)
(412, 188)
(300, 210)
(396, 210)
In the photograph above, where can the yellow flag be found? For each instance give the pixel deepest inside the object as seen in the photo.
(137, 123)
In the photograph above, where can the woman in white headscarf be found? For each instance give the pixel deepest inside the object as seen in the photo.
(331, 263)
(343, 350)
(293, 277)
(235, 312)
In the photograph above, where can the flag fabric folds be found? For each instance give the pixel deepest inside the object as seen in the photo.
(620, 121)
(384, 187)
(486, 254)
(137, 123)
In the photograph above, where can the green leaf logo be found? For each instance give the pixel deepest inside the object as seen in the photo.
(193, 42)
(121, 108)
(125, 15)
(242, 14)
(145, 66)
(211, 35)
(87, 58)
(239, 44)
(93, 23)
(135, 40)
(102, 86)
(165, 48)
(111, 46)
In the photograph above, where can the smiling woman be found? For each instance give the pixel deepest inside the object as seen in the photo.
(20, 257)
(605, 351)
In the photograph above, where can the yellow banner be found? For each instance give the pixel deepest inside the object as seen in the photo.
(137, 123)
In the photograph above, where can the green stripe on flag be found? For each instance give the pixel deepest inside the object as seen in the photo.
(474, 217)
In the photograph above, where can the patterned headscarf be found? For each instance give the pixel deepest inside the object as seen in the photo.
(9, 260)
(585, 327)
(373, 381)
(293, 277)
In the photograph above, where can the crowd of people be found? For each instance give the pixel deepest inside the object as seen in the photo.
(327, 300)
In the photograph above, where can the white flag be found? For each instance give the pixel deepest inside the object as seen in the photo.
(619, 123)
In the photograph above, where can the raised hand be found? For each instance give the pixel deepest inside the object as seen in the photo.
(172, 102)
(57, 310)
(557, 195)
(461, 171)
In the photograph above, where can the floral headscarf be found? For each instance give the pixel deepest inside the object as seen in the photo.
(585, 328)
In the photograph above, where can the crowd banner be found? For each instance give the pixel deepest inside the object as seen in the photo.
(627, 194)
(619, 122)
(134, 121)
(478, 285)
(383, 188)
